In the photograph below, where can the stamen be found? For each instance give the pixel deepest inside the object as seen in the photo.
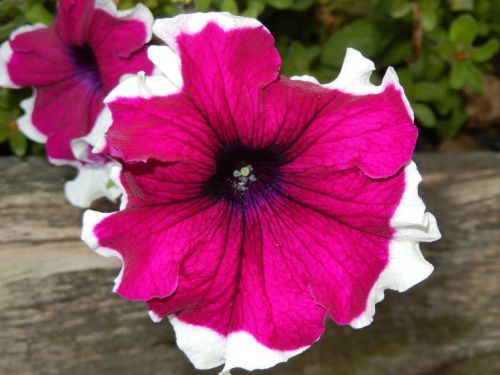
(243, 176)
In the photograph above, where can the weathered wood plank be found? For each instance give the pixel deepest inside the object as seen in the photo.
(58, 316)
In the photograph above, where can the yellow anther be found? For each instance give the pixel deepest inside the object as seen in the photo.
(245, 171)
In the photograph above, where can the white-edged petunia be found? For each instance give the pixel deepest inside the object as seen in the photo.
(256, 205)
(72, 66)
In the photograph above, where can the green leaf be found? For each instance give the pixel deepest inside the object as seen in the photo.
(430, 10)
(486, 51)
(301, 5)
(280, 4)
(458, 74)
(368, 36)
(400, 8)
(463, 29)
(18, 144)
(254, 8)
(424, 115)
(474, 77)
(37, 13)
(203, 5)
(427, 91)
(126, 4)
(229, 6)
(4, 132)
(151, 3)
(429, 20)
(298, 58)
(461, 5)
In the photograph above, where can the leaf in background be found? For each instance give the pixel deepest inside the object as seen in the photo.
(458, 74)
(280, 4)
(368, 36)
(486, 51)
(300, 5)
(396, 54)
(37, 13)
(424, 114)
(254, 8)
(18, 144)
(474, 77)
(298, 59)
(428, 91)
(400, 8)
(203, 5)
(463, 30)
(461, 5)
(229, 6)
(431, 13)
(151, 3)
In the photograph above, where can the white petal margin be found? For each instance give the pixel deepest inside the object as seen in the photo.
(406, 266)
(90, 220)
(168, 63)
(208, 349)
(91, 183)
(26, 124)
(138, 86)
(354, 78)
(168, 29)
(6, 54)
(80, 146)
(139, 13)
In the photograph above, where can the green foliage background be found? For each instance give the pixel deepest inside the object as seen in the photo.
(440, 48)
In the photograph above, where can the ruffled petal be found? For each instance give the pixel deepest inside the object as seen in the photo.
(151, 119)
(118, 42)
(52, 118)
(406, 266)
(74, 18)
(316, 125)
(92, 182)
(37, 57)
(25, 122)
(248, 298)
(225, 61)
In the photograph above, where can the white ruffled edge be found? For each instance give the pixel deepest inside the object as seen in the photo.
(90, 184)
(141, 86)
(6, 54)
(354, 78)
(406, 266)
(168, 29)
(25, 122)
(139, 13)
(207, 349)
(90, 220)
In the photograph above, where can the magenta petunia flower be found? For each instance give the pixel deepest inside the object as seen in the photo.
(72, 66)
(256, 205)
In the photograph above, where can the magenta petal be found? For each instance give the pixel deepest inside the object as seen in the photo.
(73, 21)
(165, 128)
(39, 58)
(52, 117)
(264, 292)
(223, 72)
(118, 46)
(373, 132)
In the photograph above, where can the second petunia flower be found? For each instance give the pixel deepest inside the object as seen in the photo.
(72, 66)
(256, 205)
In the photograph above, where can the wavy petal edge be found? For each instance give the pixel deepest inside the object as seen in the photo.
(237, 350)
(406, 266)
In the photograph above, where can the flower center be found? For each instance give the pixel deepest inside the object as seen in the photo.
(245, 174)
(86, 65)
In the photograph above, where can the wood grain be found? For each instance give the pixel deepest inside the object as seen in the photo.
(58, 315)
